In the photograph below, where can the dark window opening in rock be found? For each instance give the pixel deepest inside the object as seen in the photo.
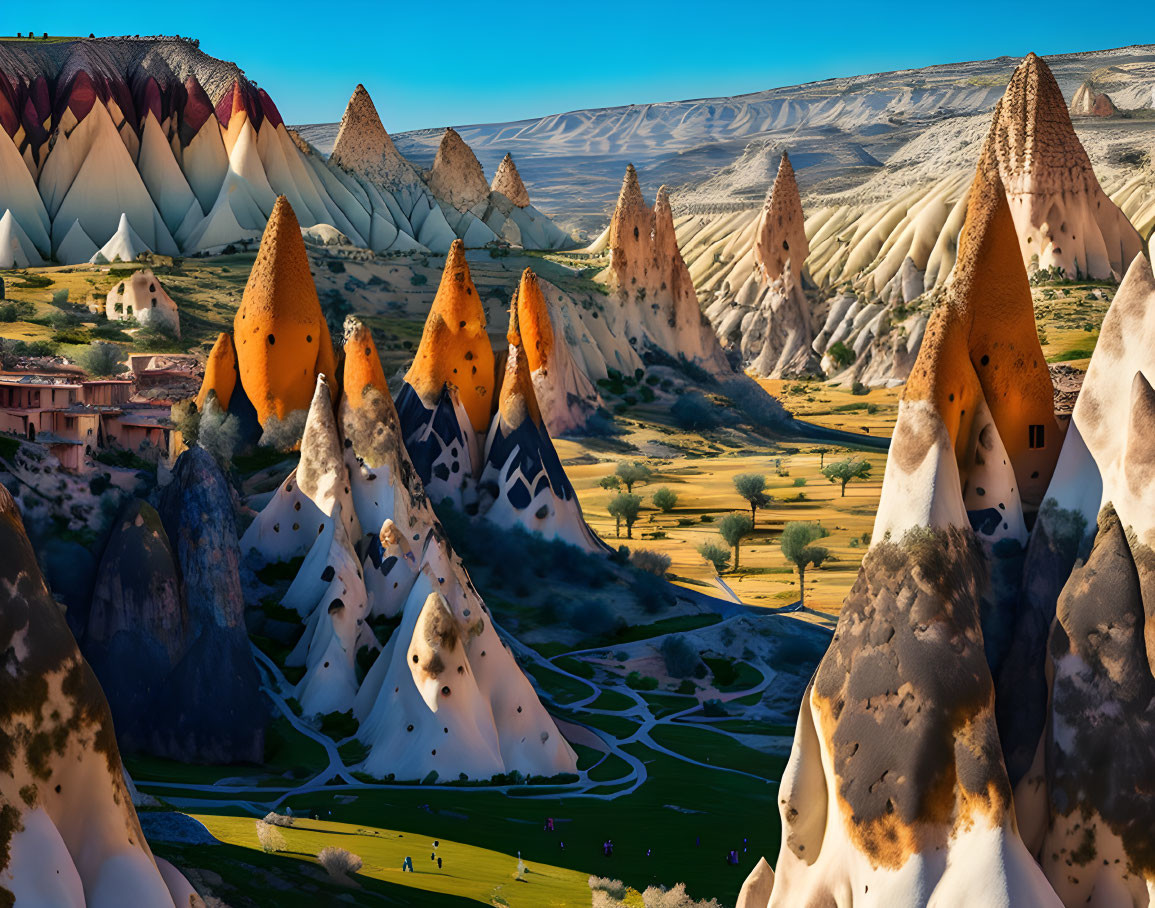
(1035, 436)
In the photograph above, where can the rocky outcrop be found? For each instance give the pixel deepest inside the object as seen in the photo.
(142, 298)
(508, 182)
(523, 483)
(768, 321)
(647, 278)
(166, 633)
(1090, 103)
(69, 833)
(282, 341)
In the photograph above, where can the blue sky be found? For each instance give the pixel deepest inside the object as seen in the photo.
(431, 63)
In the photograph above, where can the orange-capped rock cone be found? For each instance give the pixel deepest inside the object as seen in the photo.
(281, 339)
(363, 370)
(982, 346)
(534, 324)
(518, 399)
(220, 373)
(781, 233)
(508, 182)
(455, 348)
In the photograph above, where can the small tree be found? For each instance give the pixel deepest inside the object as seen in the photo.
(625, 506)
(752, 487)
(632, 473)
(844, 471)
(735, 527)
(795, 542)
(821, 452)
(664, 500)
(610, 482)
(717, 555)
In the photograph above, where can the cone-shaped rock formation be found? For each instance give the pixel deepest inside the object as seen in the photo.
(457, 176)
(1090, 103)
(769, 320)
(281, 338)
(363, 146)
(220, 373)
(658, 307)
(522, 480)
(508, 182)
(444, 695)
(1063, 217)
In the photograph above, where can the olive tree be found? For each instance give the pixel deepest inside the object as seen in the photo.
(625, 506)
(752, 487)
(796, 543)
(843, 471)
(631, 474)
(735, 527)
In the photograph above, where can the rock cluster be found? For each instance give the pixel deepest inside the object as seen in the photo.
(69, 832)
(480, 440)
(444, 696)
(113, 147)
(647, 277)
(1090, 103)
(980, 730)
(166, 633)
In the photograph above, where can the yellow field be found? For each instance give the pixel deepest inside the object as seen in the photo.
(480, 874)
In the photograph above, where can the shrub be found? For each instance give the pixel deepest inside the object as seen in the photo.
(638, 681)
(717, 555)
(695, 411)
(652, 593)
(651, 562)
(279, 819)
(680, 656)
(799, 481)
(270, 838)
(665, 500)
(339, 863)
(102, 359)
(594, 618)
(418, 280)
(859, 389)
(840, 354)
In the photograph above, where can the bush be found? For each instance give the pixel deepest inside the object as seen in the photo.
(270, 838)
(652, 593)
(680, 656)
(594, 618)
(102, 359)
(665, 500)
(859, 389)
(717, 555)
(339, 863)
(651, 562)
(840, 354)
(799, 481)
(638, 681)
(279, 819)
(418, 280)
(695, 411)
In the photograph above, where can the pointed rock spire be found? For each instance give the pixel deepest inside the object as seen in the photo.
(780, 237)
(517, 400)
(508, 182)
(1090, 103)
(457, 177)
(281, 338)
(455, 348)
(1063, 217)
(534, 325)
(364, 147)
